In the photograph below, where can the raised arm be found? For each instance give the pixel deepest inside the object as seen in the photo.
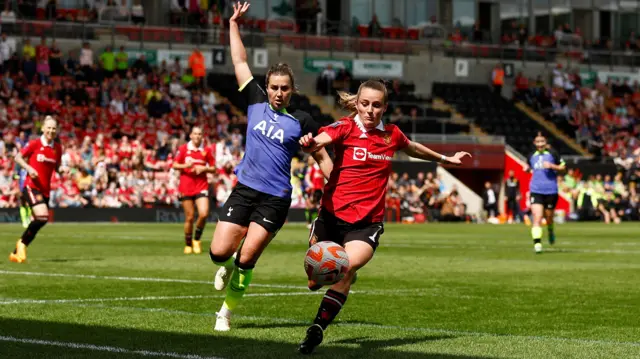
(417, 150)
(316, 147)
(238, 52)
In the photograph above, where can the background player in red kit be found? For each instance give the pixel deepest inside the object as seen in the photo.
(353, 203)
(40, 158)
(194, 162)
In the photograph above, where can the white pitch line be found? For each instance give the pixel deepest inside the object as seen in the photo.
(7, 301)
(139, 279)
(146, 298)
(191, 281)
(100, 300)
(102, 348)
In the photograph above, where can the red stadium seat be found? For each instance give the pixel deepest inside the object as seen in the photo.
(363, 30)
(414, 34)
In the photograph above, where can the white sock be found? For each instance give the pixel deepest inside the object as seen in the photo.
(224, 312)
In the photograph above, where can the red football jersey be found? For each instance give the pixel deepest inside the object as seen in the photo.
(316, 177)
(44, 158)
(191, 183)
(358, 183)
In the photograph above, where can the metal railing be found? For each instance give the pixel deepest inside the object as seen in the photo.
(114, 14)
(458, 139)
(329, 45)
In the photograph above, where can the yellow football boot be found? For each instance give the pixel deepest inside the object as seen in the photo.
(20, 254)
(197, 249)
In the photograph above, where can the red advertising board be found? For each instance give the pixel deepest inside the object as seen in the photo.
(489, 157)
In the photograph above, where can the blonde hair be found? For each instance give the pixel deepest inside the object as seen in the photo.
(50, 118)
(348, 100)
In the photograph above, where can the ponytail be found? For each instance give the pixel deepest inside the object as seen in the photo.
(348, 102)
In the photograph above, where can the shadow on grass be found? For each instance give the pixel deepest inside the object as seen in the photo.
(65, 260)
(369, 344)
(270, 325)
(219, 346)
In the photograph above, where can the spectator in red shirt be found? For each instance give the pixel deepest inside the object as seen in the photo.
(522, 87)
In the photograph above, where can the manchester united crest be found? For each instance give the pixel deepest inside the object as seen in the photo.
(387, 138)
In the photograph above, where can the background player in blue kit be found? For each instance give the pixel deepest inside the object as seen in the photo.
(546, 165)
(258, 206)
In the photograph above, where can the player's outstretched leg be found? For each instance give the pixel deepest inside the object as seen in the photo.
(19, 255)
(359, 253)
(254, 244)
(240, 280)
(225, 243)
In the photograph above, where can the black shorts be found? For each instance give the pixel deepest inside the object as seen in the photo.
(329, 228)
(315, 195)
(203, 194)
(34, 197)
(246, 205)
(549, 201)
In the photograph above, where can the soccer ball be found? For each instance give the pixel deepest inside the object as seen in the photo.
(326, 263)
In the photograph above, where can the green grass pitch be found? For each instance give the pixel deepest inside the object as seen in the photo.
(431, 291)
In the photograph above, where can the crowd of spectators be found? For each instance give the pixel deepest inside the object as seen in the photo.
(120, 122)
(611, 199)
(83, 11)
(424, 198)
(603, 117)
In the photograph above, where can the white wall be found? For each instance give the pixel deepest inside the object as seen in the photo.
(470, 198)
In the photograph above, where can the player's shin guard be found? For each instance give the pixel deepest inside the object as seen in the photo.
(30, 233)
(188, 239)
(198, 233)
(536, 234)
(239, 283)
(330, 306)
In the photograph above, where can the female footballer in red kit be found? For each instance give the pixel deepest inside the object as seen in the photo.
(194, 162)
(353, 204)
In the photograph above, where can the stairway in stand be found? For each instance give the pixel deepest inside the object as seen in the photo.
(551, 128)
(440, 104)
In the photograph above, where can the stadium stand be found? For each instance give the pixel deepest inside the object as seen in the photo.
(496, 115)
(601, 117)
